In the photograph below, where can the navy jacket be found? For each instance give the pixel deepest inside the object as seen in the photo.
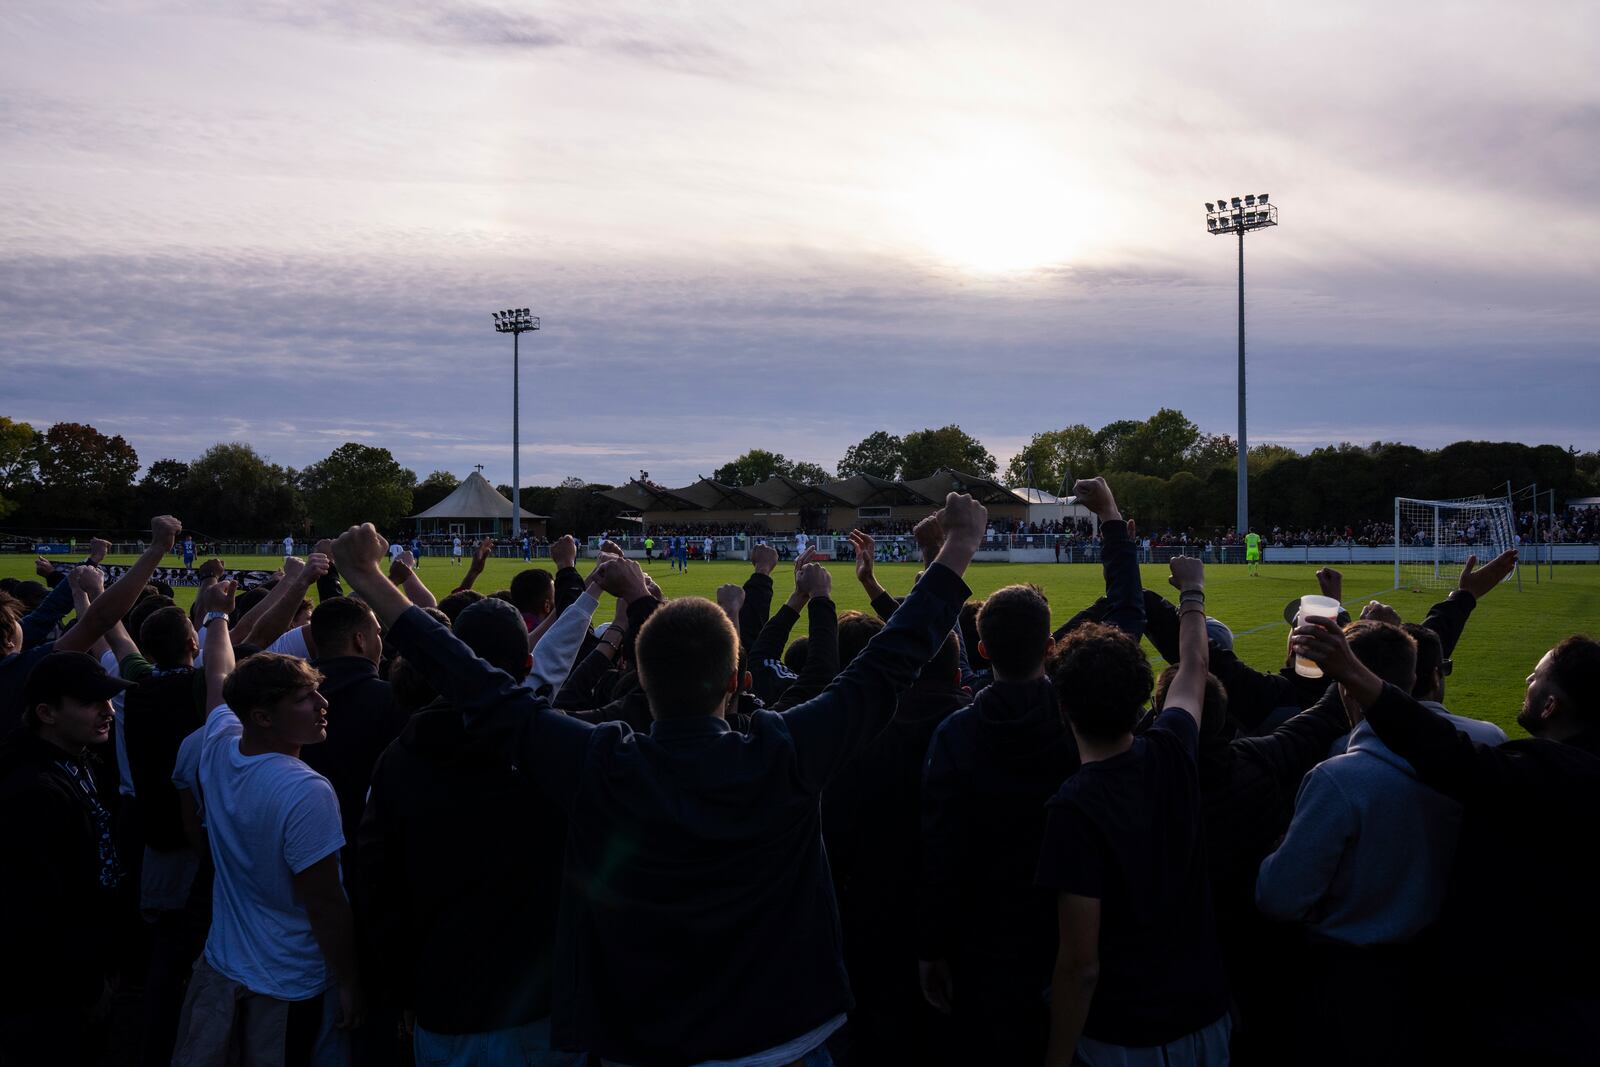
(695, 871)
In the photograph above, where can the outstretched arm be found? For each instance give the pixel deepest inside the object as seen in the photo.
(829, 729)
(1188, 689)
(1119, 559)
(218, 598)
(124, 592)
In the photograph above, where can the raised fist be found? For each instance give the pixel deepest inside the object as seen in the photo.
(219, 597)
(211, 568)
(622, 578)
(325, 546)
(408, 560)
(88, 580)
(43, 567)
(1330, 583)
(483, 551)
(730, 598)
(164, 530)
(360, 548)
(564, 552)
(764, 558)
(1187, 573)
(963, 519)
(1095, 494)
(813, 580)
(316, 567)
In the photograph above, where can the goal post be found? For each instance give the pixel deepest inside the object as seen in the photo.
(1433, 538)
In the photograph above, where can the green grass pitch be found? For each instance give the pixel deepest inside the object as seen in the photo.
(1508, 633)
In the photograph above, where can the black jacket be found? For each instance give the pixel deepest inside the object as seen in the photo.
(55, 917)
(991, 767)
(1519, 923)
(695, 875)
(362, 720)
(460, 869)
(157, 714)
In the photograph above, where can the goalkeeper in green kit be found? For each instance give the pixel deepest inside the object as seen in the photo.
(1252, 552)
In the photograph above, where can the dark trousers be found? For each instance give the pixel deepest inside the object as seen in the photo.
(1360, 1005)
(176, 940)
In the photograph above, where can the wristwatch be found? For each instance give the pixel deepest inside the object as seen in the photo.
(211, 617)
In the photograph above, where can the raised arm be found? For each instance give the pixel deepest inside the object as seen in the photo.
(40, 623)
(1188, 689)
(480, 556)
(866, 553)
(267, 621)
(217, 604)
(1119, 558)
(1448, 618)
(401, 573)
(757, 605)
(553, 745)
(830, 728)
(822, 649)
(122, 594)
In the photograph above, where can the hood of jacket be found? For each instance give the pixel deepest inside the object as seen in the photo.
(1020, 717)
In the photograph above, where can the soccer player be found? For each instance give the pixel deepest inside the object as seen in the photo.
(288, 544)
(188, 552)
(527, 549)
(455, 551)
(1252, 552)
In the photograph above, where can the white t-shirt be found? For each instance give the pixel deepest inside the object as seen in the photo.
(706, 546)
(268, 818)
(288, 546)
(395, 550)
(456, 546)
(292, 643)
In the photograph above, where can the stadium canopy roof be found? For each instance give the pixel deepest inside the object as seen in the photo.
(984, 490)
(714, 496)
(474, 498)
(648, 496)
(781, 492)
(864, 490)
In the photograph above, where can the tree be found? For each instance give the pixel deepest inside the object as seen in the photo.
(1112, 445)
(946, 448)
(1057, 457)
(1158, 446)
(809, 473)
(231, 490)
(160, 491)
(19, 460)
(85, 477)
(432, 489)
(879, 455)
(752, 468)
(357, 483)
(1213, 451)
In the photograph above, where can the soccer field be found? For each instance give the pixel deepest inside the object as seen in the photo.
(1507, 634)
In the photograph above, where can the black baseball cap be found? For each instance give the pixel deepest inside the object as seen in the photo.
(73, 674)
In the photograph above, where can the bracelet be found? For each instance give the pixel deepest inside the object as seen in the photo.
(1193, 609)
(211, 617)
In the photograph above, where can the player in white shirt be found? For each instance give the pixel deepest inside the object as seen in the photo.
(706, 549)
(288, 546)
(395, 550)
(455, 550)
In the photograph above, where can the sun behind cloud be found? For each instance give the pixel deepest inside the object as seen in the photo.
(1002, 202)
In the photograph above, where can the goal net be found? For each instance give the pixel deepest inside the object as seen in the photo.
(1433, 538)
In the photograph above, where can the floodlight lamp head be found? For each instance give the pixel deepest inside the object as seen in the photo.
(1236, 201)
(1262, 198)
(1210, 206)
(1250, 200)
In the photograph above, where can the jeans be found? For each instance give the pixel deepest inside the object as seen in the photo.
(1206, 1047)
(515, 1046)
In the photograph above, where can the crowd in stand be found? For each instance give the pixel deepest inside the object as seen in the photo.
(576, 822)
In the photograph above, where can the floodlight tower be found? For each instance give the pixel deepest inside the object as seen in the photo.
(1225, 217)
(516, 322)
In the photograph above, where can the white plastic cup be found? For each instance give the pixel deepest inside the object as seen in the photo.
(1314, 607)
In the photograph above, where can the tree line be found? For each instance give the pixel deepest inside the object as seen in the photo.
(1164, 470)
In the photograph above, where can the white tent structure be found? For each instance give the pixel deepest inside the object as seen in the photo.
(475, 508)
(1047, 507)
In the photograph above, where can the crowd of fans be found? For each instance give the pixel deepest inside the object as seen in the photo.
(499, 830)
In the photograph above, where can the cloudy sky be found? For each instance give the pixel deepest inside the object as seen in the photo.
(788, 225)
